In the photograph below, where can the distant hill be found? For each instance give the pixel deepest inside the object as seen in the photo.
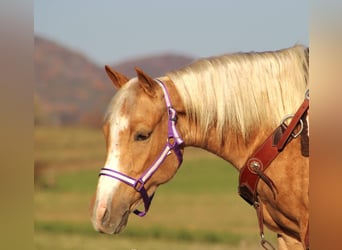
(70, 89)
(156, 65)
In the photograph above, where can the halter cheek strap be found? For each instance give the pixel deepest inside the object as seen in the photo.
(173, 142)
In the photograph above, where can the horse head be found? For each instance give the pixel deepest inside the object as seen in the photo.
(141, 153)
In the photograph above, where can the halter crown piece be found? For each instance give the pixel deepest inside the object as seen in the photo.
(173, 142)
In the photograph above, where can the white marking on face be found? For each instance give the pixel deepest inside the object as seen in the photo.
(107, 186)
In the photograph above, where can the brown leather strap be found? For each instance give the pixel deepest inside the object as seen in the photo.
(249, 177)
(250, 174)
(307, 241)
(264, 243)
(304, 139)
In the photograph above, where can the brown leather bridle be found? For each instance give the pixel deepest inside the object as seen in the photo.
(257, 163)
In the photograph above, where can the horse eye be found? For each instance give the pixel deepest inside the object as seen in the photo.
(141, 136)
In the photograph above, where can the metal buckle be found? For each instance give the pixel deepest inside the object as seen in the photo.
(172, 114)
(265, 243)
(300, 121)
(139, 184)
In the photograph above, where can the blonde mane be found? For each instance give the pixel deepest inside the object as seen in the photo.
(243, 91)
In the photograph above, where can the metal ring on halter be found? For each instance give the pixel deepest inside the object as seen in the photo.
(266, 245)
(301, 125)
(307, 94)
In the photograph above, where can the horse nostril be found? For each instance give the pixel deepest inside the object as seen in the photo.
(105, 217)
(101, 217)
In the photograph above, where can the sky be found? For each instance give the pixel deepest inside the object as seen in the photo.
(111, 31)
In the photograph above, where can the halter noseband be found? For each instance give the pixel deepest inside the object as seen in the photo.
(173, 142)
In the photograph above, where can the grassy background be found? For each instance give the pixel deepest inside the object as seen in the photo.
(198, 209)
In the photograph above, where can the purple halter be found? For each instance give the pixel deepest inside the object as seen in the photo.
(173, 142)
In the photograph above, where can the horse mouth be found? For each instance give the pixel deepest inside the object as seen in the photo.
(122, 223)
(106, 225)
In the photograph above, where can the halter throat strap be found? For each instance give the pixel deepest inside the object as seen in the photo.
(173, 142)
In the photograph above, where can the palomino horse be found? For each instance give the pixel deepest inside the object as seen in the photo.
(228, 105)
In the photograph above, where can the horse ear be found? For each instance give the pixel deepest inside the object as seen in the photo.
(117, 78)
(146, 82)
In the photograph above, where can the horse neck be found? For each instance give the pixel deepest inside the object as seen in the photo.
(233, 148)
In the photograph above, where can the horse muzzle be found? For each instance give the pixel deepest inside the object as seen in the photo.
(105, 221)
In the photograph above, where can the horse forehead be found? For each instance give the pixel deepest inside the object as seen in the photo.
(116, 120)
(132, 104)
(119, 104)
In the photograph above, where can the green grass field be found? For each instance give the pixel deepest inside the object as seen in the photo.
(198, 209)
